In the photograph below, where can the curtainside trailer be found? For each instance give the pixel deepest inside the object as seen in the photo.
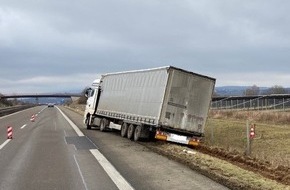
(166, 103)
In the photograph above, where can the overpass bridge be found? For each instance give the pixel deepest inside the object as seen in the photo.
(41, 97)
(44, 95)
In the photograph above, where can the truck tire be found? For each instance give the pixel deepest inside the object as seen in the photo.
(124, 130)
(103, 125)
(88, 122)
(130, 131)
(137, 133)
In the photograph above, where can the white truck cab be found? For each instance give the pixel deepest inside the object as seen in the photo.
(91, 94)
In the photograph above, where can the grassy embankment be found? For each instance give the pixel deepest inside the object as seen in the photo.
(227, 129)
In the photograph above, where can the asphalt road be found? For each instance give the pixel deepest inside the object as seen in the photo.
(57, 152)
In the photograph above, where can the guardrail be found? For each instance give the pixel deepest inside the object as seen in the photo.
(9, 110)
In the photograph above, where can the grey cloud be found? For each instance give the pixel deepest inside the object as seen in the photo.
(66, 38)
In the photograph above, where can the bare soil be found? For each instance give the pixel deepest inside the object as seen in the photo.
(229, 168)
(279, 173)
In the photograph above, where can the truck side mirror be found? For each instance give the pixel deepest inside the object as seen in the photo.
(88, 92)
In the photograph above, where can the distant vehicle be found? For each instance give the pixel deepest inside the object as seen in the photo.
(167, 103)
(50, 105)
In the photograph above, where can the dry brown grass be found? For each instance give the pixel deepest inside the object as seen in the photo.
(227, 129)
(266, 117)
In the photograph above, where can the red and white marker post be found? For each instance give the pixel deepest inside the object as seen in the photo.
(252, 131)
(32, 119)
(9, 132)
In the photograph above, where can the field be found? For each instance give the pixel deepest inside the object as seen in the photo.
(227, 129)
(225, 138)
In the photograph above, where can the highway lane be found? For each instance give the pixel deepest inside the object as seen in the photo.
(142, 168)
(42, 155)
(49, 154)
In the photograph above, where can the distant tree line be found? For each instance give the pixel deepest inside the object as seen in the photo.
(83, 98)
(13, 102)
(251, 91)
(255, 90)
(5, 102)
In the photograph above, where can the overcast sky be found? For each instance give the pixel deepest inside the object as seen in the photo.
(63, 45)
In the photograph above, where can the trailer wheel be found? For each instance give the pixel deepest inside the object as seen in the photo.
(137, 133)
(130, 131)
(87, 122)
(124, 129)
(103, 125)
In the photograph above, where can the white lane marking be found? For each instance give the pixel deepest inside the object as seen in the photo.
(81, 174)
(117, 178)
(91, 142)
(23, 126)
(77, 130)
(42, 109)
(5, 143)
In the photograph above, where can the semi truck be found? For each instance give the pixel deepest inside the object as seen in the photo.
(165, 103)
